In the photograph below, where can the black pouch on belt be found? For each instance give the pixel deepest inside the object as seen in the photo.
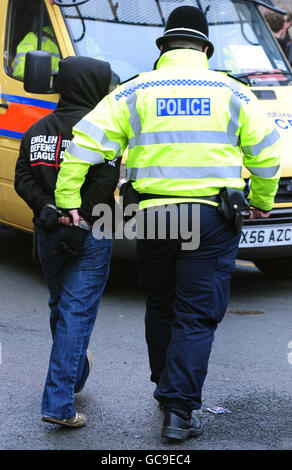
(232, 204)
(129, 197)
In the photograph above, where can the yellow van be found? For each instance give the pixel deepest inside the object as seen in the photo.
(123, 33)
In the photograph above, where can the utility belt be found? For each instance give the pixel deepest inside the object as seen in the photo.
(233, 205)
(145, 196)
(231, 202)
(131, 196)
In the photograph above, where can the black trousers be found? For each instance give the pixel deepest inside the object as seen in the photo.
(187, 293)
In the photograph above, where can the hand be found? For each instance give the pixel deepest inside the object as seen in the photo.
(48, 218)
(287, 23)
(258, 214)
(72, 219)
(64, 220)
(75, 216)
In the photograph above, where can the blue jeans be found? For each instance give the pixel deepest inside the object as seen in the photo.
(187, 293)
(76, 285)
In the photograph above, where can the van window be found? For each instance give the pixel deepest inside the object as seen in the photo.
(28, 28)
(124, 33)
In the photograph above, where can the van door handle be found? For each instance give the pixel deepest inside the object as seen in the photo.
(4, 105)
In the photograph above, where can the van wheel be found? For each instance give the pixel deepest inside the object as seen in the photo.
(280, 267)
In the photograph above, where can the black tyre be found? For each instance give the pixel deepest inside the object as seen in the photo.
(275, 267)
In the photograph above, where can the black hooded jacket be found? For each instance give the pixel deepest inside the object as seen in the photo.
(82, 82)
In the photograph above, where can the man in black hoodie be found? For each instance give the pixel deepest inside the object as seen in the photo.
(75, 264)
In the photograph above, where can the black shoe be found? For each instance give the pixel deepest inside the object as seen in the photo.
(181, 425)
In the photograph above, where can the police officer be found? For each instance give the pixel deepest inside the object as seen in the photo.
(188, 132)
(30, 43)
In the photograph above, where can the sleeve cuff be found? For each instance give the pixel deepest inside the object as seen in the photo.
(68, 203)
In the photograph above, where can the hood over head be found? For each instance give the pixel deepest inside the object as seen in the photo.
(82, 82)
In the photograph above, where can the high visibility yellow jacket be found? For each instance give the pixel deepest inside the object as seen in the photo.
(30, 43)
(189, 131)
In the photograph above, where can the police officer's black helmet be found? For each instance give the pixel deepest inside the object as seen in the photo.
(187, 22)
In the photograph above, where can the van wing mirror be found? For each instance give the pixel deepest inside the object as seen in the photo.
(37, 72)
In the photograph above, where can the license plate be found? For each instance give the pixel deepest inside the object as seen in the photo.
(266, 236)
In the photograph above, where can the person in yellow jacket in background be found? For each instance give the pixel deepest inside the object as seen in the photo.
(189, 131)
(30, 43)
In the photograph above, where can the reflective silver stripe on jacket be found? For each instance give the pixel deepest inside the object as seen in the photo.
(267, 141)
(18, 58)
(179, 137)
(264, 172)
(135, 121)
(188, 172)
(234, 109)
(97, 134)
(20, 54)
(85, 154)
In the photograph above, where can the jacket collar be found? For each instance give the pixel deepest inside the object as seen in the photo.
(181, 57)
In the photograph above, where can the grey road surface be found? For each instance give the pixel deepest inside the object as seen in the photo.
(250, 370)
